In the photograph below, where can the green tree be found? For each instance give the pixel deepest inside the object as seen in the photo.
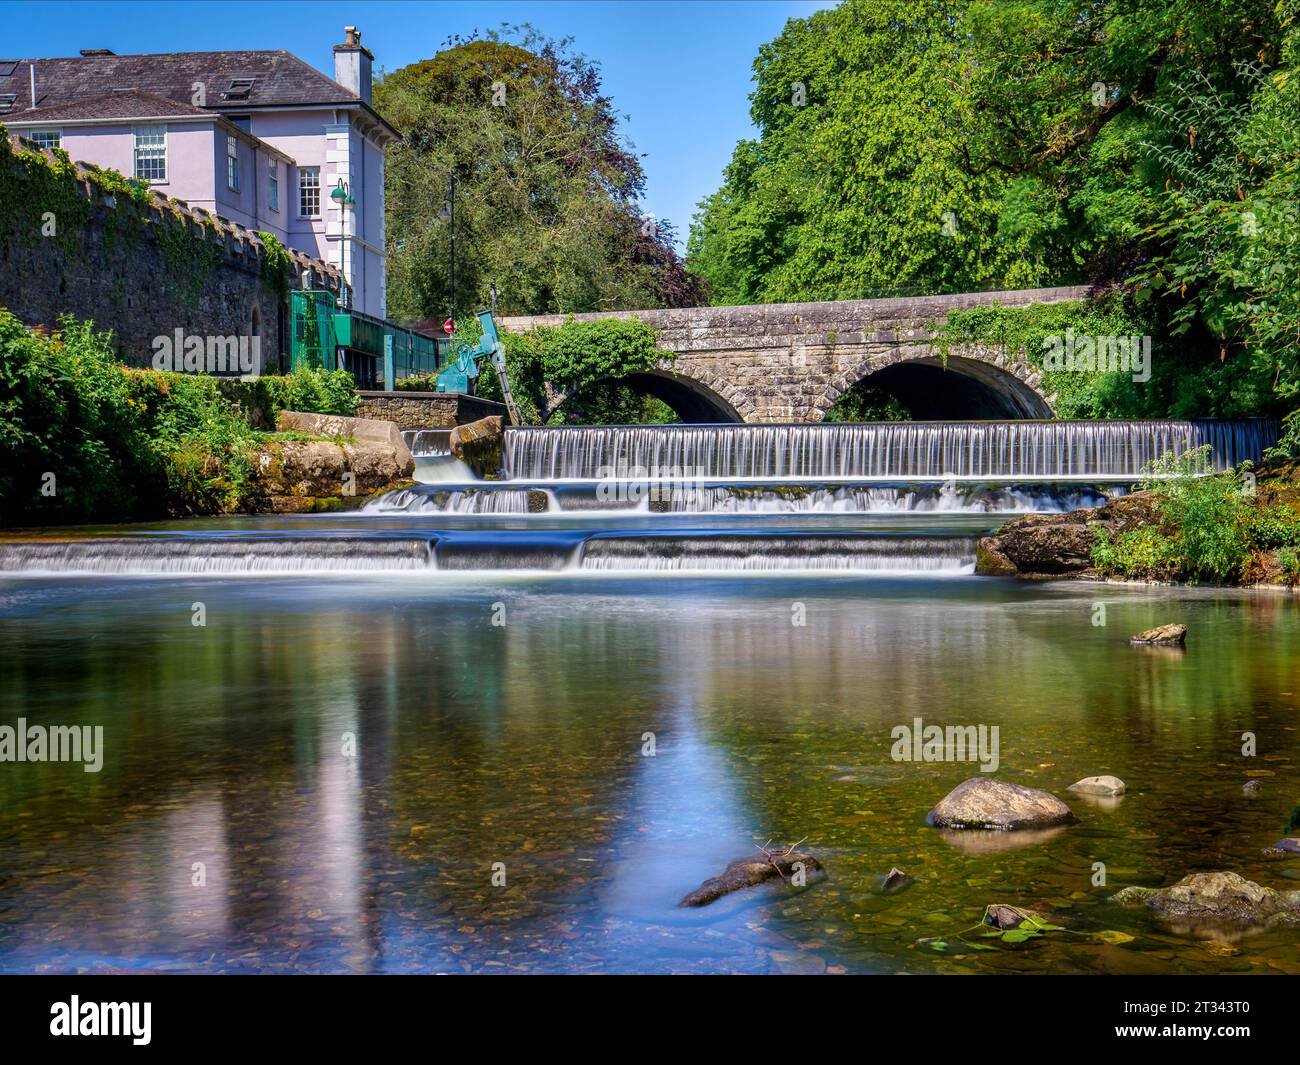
(547, 187)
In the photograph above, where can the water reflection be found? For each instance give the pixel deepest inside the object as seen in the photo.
(519, 747)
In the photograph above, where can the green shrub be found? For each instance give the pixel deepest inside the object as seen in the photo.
(1288, 560)
(1141, 554)
(120, 443)
(314, 392)
(1274, 527)
(1288, 441)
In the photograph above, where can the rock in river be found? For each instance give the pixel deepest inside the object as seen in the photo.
(984, 803)
(1164, 635)
(1098, 786)
(749, 872)
(1219, 897)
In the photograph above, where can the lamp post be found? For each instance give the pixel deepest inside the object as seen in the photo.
(342, 197)
(448, 213)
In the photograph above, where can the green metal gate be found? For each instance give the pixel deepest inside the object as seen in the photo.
(314, 340)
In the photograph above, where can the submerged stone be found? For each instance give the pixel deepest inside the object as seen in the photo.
(1219, 897)
(1103, 785)
(1164, 635)
(994, 804)
(750, 872)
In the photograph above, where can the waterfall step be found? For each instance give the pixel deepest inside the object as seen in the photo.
(882, 450)
(493, 552)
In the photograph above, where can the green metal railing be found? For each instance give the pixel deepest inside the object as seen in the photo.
(374, 349)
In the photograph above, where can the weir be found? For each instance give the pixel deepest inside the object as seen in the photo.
(881, 450)
(872, 500)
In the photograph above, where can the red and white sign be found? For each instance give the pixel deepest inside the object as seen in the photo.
(449, 326)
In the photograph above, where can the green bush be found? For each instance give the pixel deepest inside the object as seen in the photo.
(1143, 554)
(1208, 516)
(1288, 560)
(572, 358)
(1288, 441)
(314, 392)
(1209, 528)
(124, 443)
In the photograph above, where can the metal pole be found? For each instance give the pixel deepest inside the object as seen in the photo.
(453, 253)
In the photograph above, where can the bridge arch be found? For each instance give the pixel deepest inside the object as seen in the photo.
(973, 382)
(694, 397)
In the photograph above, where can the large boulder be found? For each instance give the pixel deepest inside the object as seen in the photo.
(295, 476)
(982, 802)
(478, 444)
(1058, 545)
(1220, 897)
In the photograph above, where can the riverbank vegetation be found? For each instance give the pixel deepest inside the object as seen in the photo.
(1149, 150)
(571, 372)
(84, 438)
(1231, 528)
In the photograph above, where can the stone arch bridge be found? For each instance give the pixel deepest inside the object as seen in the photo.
(790, 362)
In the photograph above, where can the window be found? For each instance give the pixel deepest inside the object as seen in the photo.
(274, 195)
(46, 138)
(240, 89)
(7, 100)
(309, 192)
(151, 153)
(232, 164)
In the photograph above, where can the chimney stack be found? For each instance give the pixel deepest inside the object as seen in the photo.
(352, 61)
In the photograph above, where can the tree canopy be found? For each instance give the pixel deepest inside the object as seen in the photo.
(547, 186)
(1148, 147)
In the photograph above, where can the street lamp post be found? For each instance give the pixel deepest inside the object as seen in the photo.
(341, 195)
(448, 212)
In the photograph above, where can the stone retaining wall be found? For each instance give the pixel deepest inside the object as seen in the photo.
(426, 410)
(119, 269)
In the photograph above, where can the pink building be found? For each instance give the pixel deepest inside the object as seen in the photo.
(260, 138)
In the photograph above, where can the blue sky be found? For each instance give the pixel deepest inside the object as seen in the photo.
(679, 69)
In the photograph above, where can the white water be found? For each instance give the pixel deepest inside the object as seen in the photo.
(877, 555)
(883, 450)
(427, 443)
(149, 555)
(557, 499)
(166, 557)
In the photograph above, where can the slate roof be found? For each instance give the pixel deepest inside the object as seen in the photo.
(279, 79)
(129, 103)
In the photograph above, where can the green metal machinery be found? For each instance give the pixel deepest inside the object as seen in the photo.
(458, 373)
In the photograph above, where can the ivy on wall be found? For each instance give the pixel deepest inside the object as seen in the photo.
(43, 197)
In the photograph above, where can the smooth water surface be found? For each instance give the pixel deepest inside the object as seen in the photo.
(525, 743)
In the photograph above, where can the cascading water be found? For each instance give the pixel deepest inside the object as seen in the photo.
(856, 499)
(879, 555)
(885, 450)
(427, 443)
(150, 555)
